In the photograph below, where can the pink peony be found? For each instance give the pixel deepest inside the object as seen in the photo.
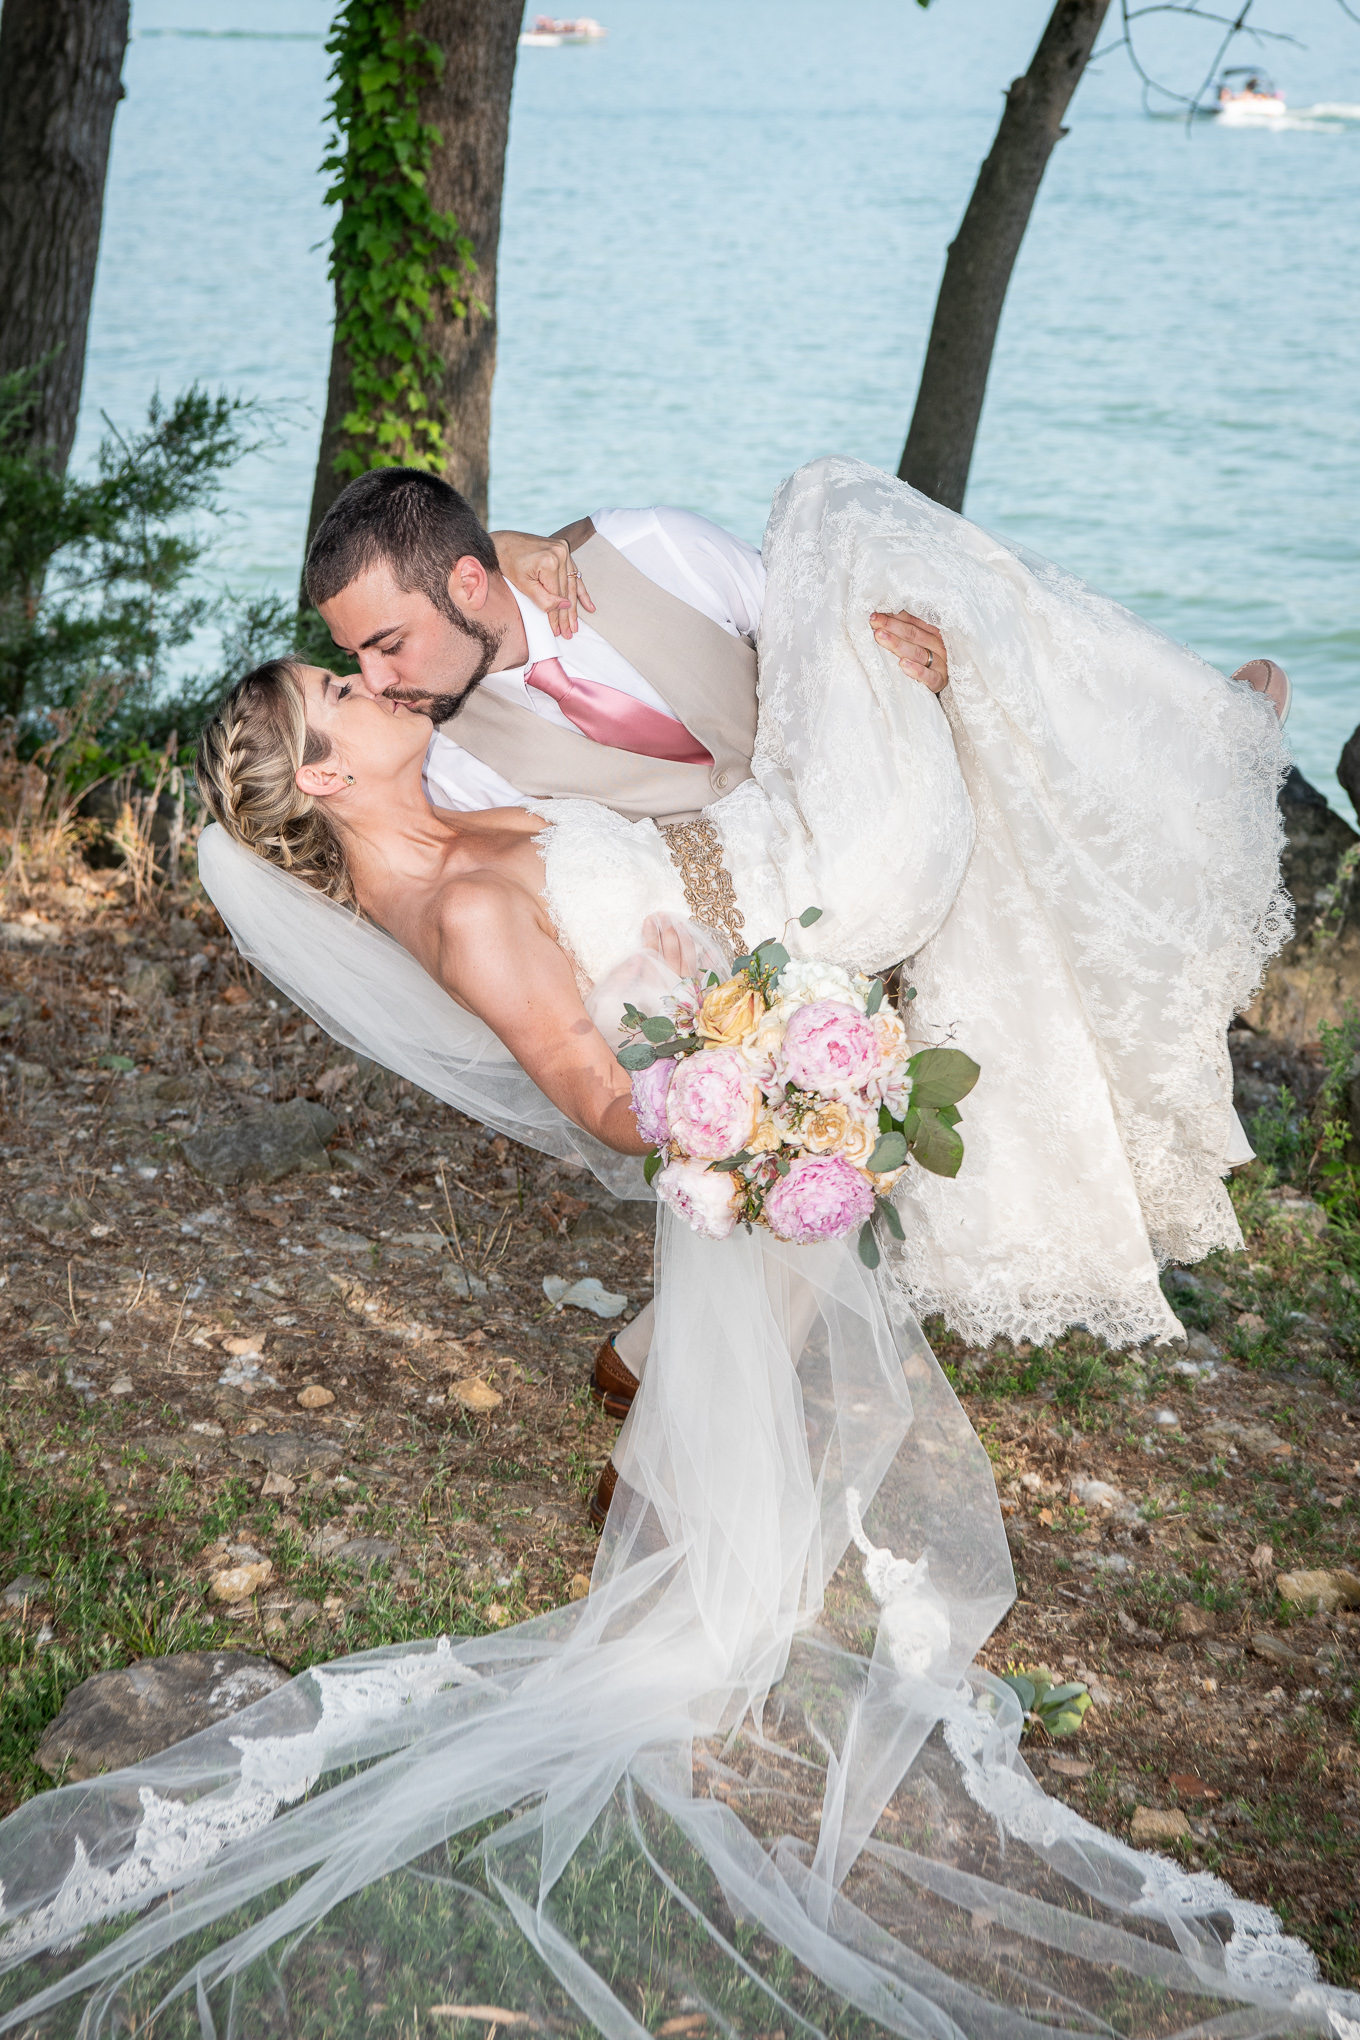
(705, 1198)
(821, 1198)
(649, 1101)
(829, 1046)
(712, 1104)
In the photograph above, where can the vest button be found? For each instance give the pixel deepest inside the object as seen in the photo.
(720, 780)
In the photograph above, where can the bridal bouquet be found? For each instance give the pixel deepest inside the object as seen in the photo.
(786, 1096)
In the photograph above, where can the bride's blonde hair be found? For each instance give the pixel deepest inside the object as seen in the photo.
(248, 758)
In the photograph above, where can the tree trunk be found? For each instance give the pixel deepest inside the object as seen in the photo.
(939, 448)
(61, 65)
(470, 105)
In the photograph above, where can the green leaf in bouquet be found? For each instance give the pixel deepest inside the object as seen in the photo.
(948, 1115)
(936, 1147)
(658, 1028)
(911, 1125)
(875, 998)
(886, 1122)
(941, 1076)
(713, 979)
(781, 1167)
(890, 1216)
(868, 1245)
(908, 995)
(730, 1162)
(890, 1152)
(636, 1055)
(632, 1015)
(808, 916)
(742, 963)
(772, 956)
(652, 1167)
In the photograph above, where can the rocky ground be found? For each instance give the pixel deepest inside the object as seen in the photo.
(340, 1408)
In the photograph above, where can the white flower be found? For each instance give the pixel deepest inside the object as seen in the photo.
(801, 983)
(705, 1198)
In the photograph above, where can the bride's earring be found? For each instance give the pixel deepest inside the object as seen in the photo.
(349, 779)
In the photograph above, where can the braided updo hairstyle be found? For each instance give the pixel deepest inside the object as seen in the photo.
(248, 756)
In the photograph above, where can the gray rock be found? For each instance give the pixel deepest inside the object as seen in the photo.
(268, 1145)
(1317, 975)
(29, 935)
(460, 1282)
(338, 1241)
(28, 1587)
(1348, 768)
(170, 1447)
(147, 983)
(118, 1718)
(287, 1452)
(54, 1214)
(366, 1552)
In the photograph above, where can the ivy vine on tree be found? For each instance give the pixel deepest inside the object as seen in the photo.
(394, 253)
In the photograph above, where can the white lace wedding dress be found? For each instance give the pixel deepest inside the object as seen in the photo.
(756, 1782)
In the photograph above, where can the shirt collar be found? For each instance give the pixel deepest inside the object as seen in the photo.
(538, 634)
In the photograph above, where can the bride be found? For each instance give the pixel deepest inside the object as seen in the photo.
(756, 1780)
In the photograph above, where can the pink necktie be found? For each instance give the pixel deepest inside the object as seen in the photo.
(608, 716)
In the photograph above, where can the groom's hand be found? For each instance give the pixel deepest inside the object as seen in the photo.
(917, 647)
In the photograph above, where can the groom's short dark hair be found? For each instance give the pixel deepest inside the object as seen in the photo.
(405, 519)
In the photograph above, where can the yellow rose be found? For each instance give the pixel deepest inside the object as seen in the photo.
(767, 1137)
(835, 1129)
(729, 1013)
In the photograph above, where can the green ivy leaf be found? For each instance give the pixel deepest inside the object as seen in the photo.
(941, 1076)
(890, 1152)
(890, 1216)
(937, 1147)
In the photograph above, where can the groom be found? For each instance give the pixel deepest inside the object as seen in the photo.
(650, 708)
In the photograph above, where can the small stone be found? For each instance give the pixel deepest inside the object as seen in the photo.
(1262, 1560)
(1192, 1621)
(209, 1430)
(1070, 1767)
(336, 1240)
(1152, 1824)
(121, 1385)
(1096, 1494)
(268, 1145)
(587, 1294)
(1190, 1786)
(467, 1287)
(278, 1484)
(118, 1718)
(148, 983)
(28, 1587)
(366, 1552)
(1167, 1419)
(242, 1343)
(475, 1395)
(1323, 1592)
(287, 1452)
(580, 1586)
(1274, 1648)
(1253, 1324)
(304, 1613)
(315, 1398)
(239, 1582)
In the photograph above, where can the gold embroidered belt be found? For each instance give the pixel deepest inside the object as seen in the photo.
(696, 854)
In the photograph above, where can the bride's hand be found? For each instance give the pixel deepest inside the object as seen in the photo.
(672, 941)
(545, 573)
(917, 647)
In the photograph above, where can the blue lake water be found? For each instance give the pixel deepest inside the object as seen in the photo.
(724, 229)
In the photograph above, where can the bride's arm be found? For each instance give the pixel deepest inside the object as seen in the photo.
(495, 953)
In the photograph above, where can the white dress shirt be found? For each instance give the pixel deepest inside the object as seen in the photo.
(687, 556)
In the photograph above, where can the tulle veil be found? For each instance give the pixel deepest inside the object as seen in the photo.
(755, 1784)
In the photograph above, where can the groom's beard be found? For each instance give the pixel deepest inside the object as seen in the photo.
(442, 708)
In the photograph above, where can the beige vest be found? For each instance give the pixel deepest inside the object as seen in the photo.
(704, 675)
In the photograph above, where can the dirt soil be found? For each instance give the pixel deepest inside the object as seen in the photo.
(389, 1319)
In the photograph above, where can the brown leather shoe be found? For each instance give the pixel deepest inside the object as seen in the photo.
(612, 1385)
(603, 1495)
(1263, 676)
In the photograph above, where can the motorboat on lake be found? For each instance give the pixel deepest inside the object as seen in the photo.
(1246, 97)
(548, 33)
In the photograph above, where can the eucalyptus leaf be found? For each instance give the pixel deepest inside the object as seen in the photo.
(868, 1245)
(941, 1076)
(890, 1152)
(875, 998)
(890, 1216)
(808, 916)
(730, 1162)
(936, 1147)
(908, 995)
(636, 1055)
(658, 1028)
(772, 956)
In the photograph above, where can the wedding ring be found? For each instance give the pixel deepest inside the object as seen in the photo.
(930, 660)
